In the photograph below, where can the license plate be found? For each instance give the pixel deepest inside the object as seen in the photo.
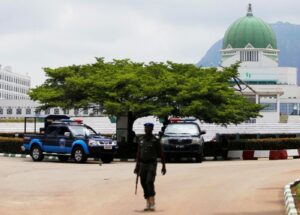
(179, 147)
(108, 147)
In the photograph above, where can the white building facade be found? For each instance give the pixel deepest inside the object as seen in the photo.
(22, 108)
(13, 85)
(252, 42)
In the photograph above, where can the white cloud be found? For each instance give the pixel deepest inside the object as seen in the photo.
(36, 34)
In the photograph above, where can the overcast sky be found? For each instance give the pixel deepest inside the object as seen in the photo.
(39, 33)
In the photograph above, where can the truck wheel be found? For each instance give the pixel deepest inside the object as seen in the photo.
(199, 158)
(79, 155)
(36, 153)
(107, 159)
(225, 154)
(63, 158)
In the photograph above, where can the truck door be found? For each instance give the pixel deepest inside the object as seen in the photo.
(63, 142)
(50, 144)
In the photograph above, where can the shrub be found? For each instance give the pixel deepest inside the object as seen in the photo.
(265, 144)
(11, 145)
(255, 136)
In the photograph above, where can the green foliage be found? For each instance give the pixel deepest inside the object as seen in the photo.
(159, 89)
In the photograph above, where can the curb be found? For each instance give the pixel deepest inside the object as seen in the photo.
(283, 154)
(289, 199)
(49, 157)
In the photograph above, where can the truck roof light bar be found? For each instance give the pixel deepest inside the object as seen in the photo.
(176, 119)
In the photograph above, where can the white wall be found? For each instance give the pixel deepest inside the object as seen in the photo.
(283, 75)
(264, 61)
(293, 119)
(270, 117)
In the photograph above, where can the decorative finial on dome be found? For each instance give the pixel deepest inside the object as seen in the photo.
(249, 13)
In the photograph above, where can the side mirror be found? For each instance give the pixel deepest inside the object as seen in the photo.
(67, 134)
(203, 132)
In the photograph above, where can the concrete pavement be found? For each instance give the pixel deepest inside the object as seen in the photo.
(213, 187)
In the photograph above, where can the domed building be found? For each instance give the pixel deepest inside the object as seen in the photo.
(252, 42)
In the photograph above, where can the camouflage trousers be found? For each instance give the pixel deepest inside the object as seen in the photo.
(147, 176)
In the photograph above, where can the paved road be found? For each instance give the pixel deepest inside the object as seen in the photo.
(214, 187)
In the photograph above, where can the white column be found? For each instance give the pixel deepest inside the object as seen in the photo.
(278, 103)
(257, 99)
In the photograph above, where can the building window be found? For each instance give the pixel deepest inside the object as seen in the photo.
(56, 111)
(19, 111)
(28, 111)
(37, 112)
(86, 111)
(269, 107)
(9, 111)
(66, 111)
(1, 111)
(294, 108)
(95, 111)
(251, 56)
(47, 111)
(76, 111)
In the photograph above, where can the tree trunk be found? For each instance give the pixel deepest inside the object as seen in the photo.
(131, 133)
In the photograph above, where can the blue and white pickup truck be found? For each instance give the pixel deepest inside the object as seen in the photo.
(66, 139)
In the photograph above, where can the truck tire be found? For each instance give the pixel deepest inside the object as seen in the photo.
(36, 153)
(79, 155)
(199, 158)
(63, 158)
(107, 159)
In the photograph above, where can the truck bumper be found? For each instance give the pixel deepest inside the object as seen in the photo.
(25, 148)
(98, 152)
(188, 150)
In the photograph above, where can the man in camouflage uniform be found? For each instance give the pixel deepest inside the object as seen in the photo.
(149, 148)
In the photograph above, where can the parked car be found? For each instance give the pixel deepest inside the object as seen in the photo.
(66, 139)
(183, 138)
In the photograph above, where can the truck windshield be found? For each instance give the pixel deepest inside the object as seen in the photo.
(82, 131)
(182, 130)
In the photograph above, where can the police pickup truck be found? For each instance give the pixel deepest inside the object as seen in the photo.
(183, 138)
(66, 139)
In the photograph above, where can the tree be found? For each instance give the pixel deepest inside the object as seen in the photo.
(159, 89)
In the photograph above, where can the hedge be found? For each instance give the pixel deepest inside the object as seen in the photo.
(255, 136)
(11, 145)
(265, 144)
(212, 148)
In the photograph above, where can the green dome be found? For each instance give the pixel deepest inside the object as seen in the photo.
(251, 30)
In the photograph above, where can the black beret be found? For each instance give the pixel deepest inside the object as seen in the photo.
(149, 124)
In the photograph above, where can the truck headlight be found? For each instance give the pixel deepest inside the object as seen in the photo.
(164, 141)
(93, 143)
(196, 141)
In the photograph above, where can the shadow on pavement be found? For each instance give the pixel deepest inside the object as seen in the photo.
(142, 211)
